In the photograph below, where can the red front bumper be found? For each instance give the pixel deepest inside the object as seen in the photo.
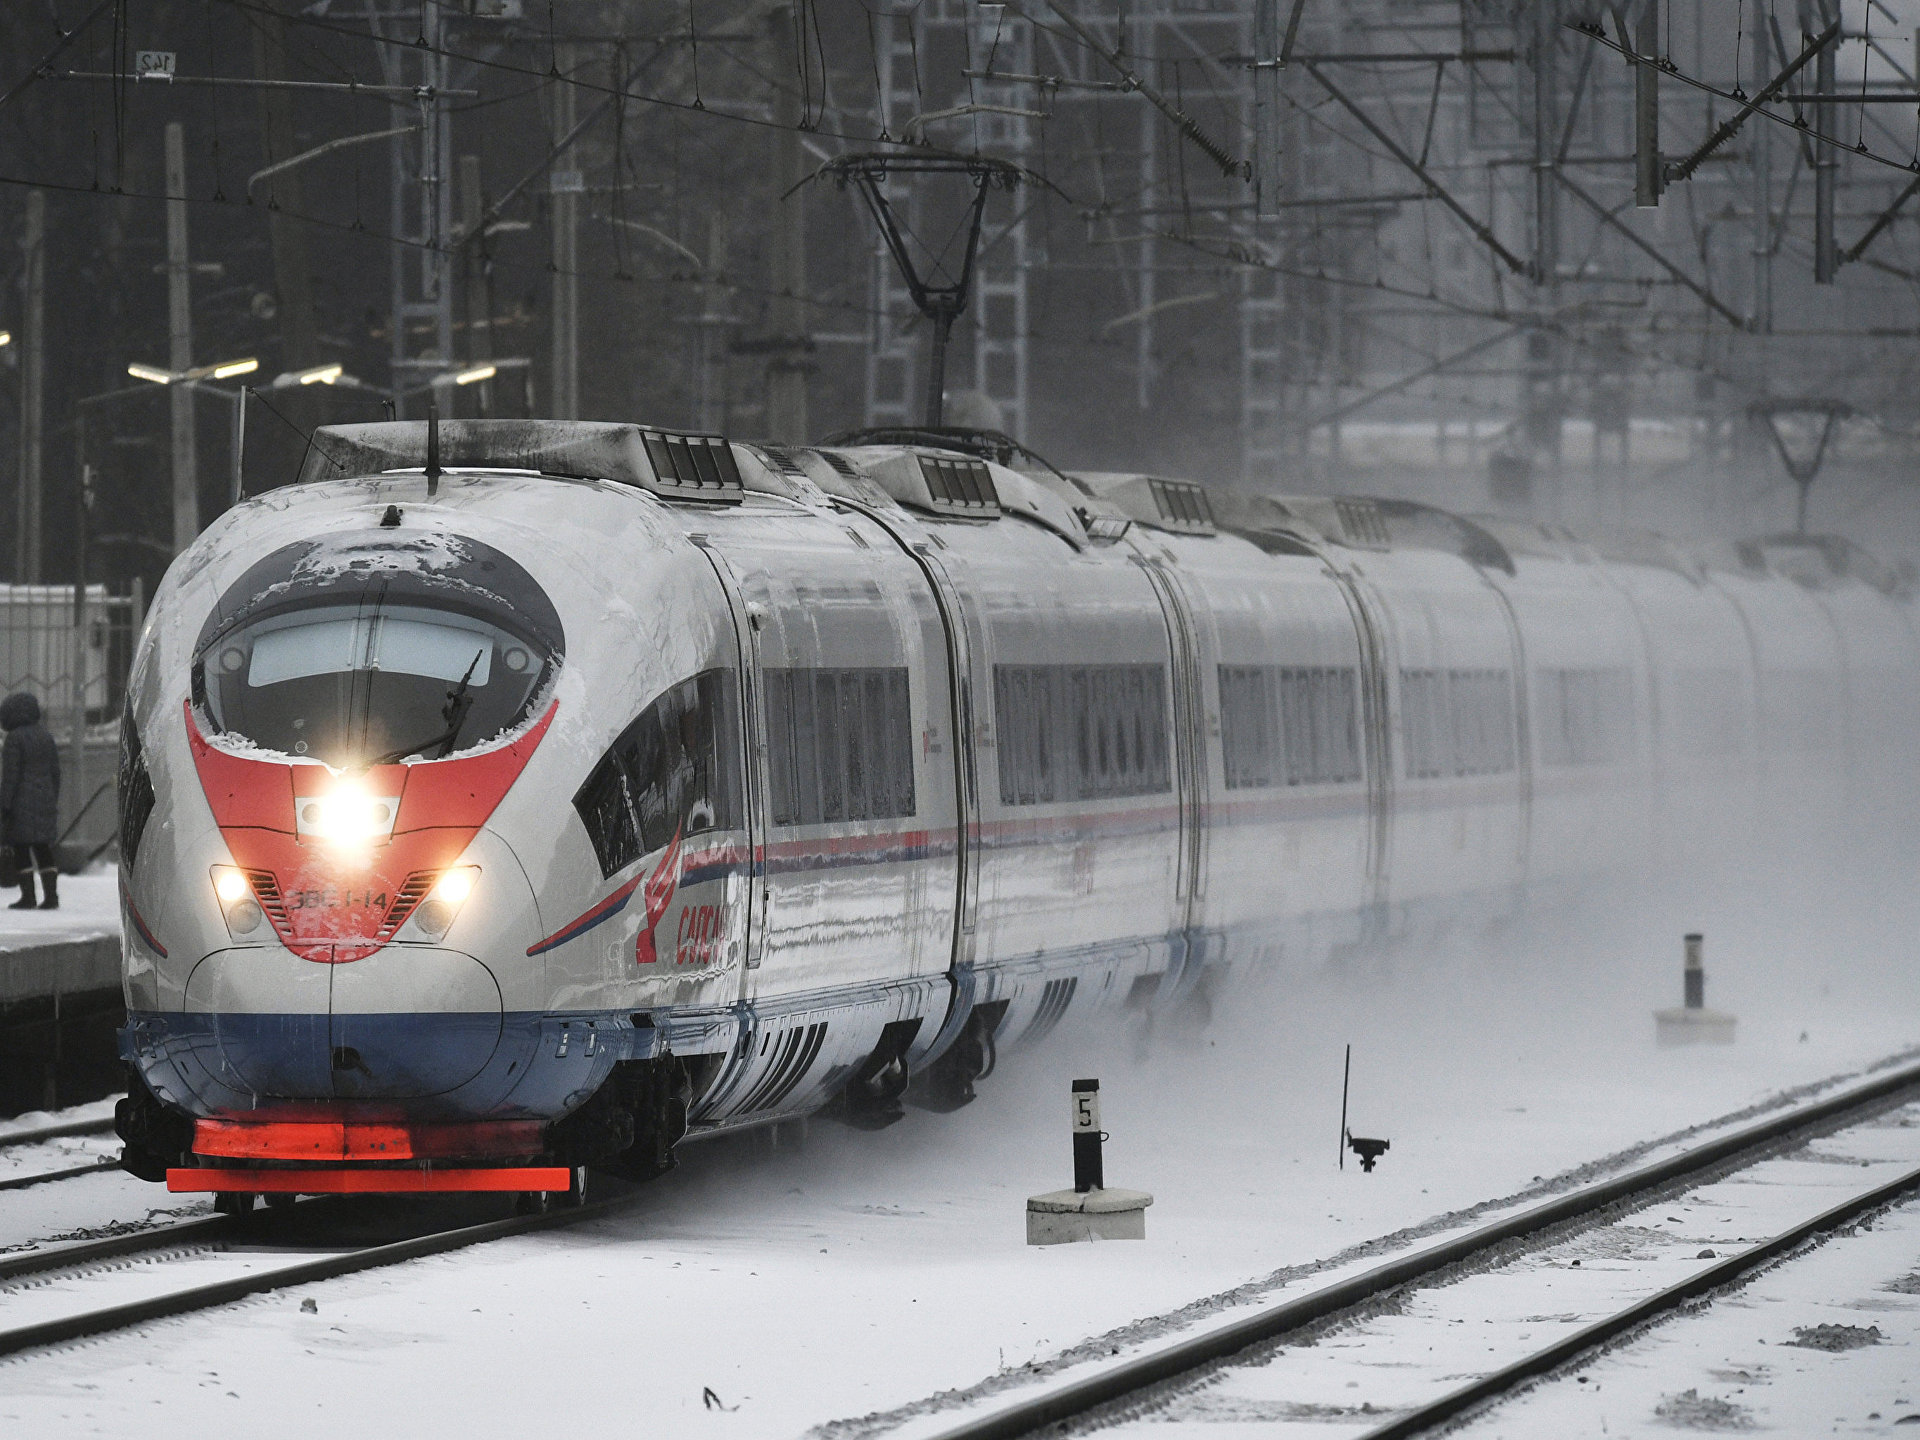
(362, 1181)
(297, 1153)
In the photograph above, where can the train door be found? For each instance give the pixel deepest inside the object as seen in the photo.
(1368, 611)
(1189, 748)
(856, 841)
(961, 626)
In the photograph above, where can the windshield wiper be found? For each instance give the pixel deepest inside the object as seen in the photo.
(459, 702)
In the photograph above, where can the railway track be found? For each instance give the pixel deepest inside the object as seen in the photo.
(94, 1286)
(101, 1284)
(44, 1134)
(103, 1125)
(1237, 1370)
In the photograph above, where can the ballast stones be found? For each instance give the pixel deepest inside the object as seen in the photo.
(1061, 1216)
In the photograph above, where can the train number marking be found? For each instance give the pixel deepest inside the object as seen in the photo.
(331, 899)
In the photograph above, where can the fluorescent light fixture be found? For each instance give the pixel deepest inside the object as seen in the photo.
(150, 372)
(479, 372)
(321, 375)
(235, 367)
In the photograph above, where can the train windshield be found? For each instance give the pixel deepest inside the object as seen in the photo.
(372, 683)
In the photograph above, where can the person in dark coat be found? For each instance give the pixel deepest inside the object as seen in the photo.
(30, 798)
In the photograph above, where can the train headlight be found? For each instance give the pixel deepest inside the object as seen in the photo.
(436, 913)
(346, 815)
(237, 906)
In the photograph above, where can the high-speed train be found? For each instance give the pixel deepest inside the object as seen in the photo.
(507, 798)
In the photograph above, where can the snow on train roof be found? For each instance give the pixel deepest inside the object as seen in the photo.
(954, 482)
(681, 465)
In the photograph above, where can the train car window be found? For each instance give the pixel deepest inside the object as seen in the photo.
(1080, 732)
(134, 791)
(1289, 725)
(1481, 703)
(1423, 728)
(674, 770)
(839, 745)
(1583, 716)
(1456, 723)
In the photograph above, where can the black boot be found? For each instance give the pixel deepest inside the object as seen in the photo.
(25, 902)
(50, 886)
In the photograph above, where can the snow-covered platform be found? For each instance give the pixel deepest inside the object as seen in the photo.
(72, 938)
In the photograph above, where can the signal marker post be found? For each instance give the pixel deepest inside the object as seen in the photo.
(1693, 1023)
(1089, 1211)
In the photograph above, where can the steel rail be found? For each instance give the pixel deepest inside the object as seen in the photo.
(300, 1272)
(1725, 1272)
(102, 1126)
(21, 1182)
(208, 1231)
(1114, 1382)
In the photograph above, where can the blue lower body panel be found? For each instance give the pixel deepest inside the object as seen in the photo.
(435, 1066)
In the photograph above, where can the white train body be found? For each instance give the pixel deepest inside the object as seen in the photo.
(782, 780)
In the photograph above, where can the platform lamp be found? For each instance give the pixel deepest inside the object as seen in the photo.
(195, 379)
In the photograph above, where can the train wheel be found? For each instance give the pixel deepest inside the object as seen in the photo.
(231, 1202)
(530, 1202)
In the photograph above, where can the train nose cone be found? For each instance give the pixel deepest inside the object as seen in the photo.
(256, 1023)
(410, 1021)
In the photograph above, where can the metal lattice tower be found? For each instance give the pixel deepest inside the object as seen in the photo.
(1000, 317)
(893, 351)
(999, 296)
(420, 199)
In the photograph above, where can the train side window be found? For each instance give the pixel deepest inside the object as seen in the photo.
(134, 791)
(1247, 741)
(1080, 732)
(1289, 725)
(1457, 723)
(674, 770)
(839, 745)
(1422, 701)
(1584, 716)
(1482, 708)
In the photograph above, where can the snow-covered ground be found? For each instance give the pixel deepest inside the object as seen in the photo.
(1828, 1343)
(1345, 1378)
(864, 1272)
(89, 906)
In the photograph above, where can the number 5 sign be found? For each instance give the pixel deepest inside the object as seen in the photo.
(1088, 1173)
(1086, 1105)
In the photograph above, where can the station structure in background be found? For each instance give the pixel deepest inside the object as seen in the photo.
(1596, 265)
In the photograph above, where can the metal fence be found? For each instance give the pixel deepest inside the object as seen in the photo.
(71, 649)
